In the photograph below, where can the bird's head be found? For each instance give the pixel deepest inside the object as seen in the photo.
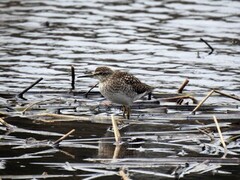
(101, 73)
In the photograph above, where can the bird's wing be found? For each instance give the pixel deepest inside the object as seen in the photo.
(134, 82)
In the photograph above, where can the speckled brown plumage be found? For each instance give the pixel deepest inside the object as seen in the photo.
(127, 82)
(120, 87)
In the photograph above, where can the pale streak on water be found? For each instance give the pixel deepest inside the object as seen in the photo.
(157, 41)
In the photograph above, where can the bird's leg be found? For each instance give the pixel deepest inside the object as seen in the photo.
(128, 112)
(124, 108)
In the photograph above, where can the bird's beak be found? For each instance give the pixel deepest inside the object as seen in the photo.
(84, 76)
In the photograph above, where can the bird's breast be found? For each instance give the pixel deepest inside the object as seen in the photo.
(116, 96)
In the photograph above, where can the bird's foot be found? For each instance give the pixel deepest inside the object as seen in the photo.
(126, 111)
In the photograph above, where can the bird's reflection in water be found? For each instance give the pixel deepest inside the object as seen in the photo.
(109, 149)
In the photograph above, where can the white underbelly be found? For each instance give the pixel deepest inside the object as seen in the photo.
(119, 98)
(115, 97)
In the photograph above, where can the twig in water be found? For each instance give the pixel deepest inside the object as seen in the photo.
(32, 104)
(67, 153)
(233, 138)
(206, 133)
(210, 93)
(62, 116)
(177, 98)
(221, 137)
(20, 95)
(86, 94)
(116, 131)
(73, 77)
(5, 123)
(150, 96)
(208, 46)
(200, 103)
(184, 84)
(57, 142)
(227, 95)
(198, 54)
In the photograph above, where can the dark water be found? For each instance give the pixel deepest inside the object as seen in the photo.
(158, 41)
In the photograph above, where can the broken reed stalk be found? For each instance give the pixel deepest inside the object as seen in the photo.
(227, 95)
(150, 96)
(200, 103)
(221, 137)
(67, 153)
(57, 142)
(206, 133)
(116, 151)
(176, 98)
(62, 116)
(184, 84)
(32, 104)
(232, 138)
(73, 77)
(4, 123)
(208, 46)
(20, 95)
(209, 94)
(123, 175)
(115, 130)
(86, 94)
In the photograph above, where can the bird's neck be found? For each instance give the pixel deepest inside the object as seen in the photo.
(104, 79)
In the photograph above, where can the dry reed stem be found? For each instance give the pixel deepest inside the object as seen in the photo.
(116, 151)
(184, 84)
(63, 137)
(123, 174)
(206, 133)
(32, 104)
(200, 103)
(221, 137)
(227, 95)
(4, 123)
(232, 138)
(116, 131)
(53, 121)
(62, 116)
(66, 118)
(67, 153)
(175, 98)
(209, 94)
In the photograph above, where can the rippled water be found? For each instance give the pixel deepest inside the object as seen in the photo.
(158, 41)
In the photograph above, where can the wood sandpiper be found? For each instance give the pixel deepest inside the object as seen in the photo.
(120, 87)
